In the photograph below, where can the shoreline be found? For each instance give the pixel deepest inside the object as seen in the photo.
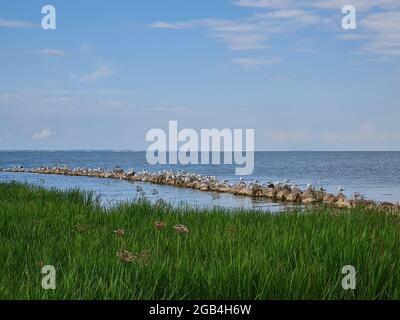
(279, 193)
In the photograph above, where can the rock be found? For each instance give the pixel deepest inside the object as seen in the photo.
(270, 193)
(319, 195)
(329, 198)
(244, 191)
(343, 203)
(341, 196)
(308, 197)
(236, 188)
(179, 182)
(281, 195)
(224, 189)
(256, 190)
(309, 200)
(204, 187)
(190, 185)
(294, 196)
(295, 190)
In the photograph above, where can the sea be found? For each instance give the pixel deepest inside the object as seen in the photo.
(376, 175)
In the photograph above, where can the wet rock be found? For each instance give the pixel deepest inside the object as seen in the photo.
(294, 196)
(319, 195)
(270, 193)
(246, 192)
(282, 195)
(190, 185)
(308, 197)
(343, 203)
(225, 189)
(310, 200)
(204, 187)
(256, 190)
(329, 198)
(341, 196)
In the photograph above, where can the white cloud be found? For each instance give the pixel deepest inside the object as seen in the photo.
(102, 70)
(384, 33)
(378, 23)
(294, 16)
(255, 62)
(249, 33)
(42, 134)
(50, 52)
(236, 34)
(362, 5)
(165, 25)
(17, 24)
(242, 41)
(267, 3)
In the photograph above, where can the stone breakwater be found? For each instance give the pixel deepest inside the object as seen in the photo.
(277, 192)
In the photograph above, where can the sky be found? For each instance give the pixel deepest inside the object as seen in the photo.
(111, 71)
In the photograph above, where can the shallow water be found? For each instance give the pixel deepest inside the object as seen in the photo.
(374, 174)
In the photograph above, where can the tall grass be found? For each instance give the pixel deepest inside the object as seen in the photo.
(240, 255)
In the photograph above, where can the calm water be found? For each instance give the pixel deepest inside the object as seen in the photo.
(374, 174)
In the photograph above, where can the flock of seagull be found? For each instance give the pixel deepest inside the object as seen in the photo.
(280, 191)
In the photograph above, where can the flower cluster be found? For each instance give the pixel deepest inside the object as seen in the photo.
(141, 258)
(180, 229)
(119, 232)
(81, 227)
(159, 225)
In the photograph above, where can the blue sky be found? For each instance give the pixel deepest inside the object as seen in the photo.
(112, 71)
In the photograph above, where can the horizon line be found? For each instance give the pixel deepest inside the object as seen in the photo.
(132, 150)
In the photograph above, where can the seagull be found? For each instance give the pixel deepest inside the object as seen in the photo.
(340, 189)
(358, 196)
